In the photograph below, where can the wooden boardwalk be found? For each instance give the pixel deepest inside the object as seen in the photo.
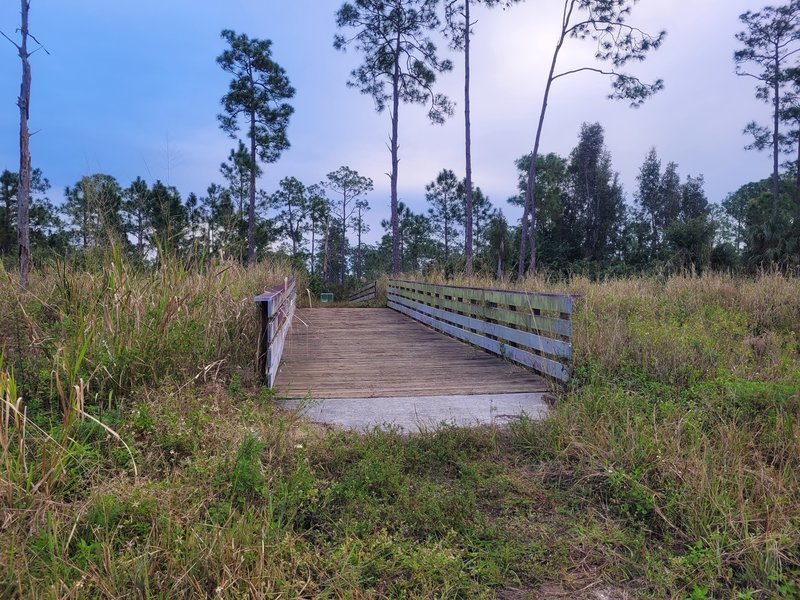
(380, 353)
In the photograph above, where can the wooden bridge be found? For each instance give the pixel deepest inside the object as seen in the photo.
(431, 343)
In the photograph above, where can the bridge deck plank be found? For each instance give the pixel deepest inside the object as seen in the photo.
(380, 353)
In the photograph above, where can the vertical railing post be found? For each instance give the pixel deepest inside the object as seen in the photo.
(263, 340)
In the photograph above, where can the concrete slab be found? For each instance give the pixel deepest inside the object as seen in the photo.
(421, 413)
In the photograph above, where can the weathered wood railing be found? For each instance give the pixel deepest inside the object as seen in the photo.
(532, 329)
(366, 293)
(277, 309)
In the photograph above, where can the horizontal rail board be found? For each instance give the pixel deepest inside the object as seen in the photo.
(556, 303)
(362, 298)
(368, 293)
(275, 292)
(544, 365)
(519, 319)
(528, 328)
(557, 348)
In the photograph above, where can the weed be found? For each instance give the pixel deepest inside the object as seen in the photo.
(245, 476)
(235, 385)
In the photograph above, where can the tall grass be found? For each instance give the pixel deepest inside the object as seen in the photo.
(143, 460)
(81, 342)
(117, 327)
(683, 421)
(680, 328)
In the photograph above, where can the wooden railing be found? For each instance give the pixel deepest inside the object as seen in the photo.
(532, 329)
(277, 309)
(367, 293)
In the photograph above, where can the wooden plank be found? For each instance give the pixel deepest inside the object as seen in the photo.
(543, 365)
(275, 291)
(377, 352)
(280, 310)
(369, 292)
(530, 340)
(363, 298)
(555, 303)
(525, 320)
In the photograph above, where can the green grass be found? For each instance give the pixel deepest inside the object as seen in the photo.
(669, 468)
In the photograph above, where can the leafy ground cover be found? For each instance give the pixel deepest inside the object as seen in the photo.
(145, 460)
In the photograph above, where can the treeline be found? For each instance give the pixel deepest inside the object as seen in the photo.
(319, 226)
(584, 223)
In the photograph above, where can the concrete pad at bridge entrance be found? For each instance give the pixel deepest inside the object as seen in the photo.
(421, 413)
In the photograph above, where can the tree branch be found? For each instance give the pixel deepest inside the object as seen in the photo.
(594, 70)
(10, 40)
(746, 74)
(41, 45)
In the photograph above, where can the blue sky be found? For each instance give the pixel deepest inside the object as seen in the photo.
(132, 88)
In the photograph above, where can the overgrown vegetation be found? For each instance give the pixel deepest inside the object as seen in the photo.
(144, 460)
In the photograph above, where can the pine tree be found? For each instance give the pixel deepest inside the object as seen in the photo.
(349, 188)
(617, 44)
(294, 210)
(649, 197)
(256, 100)
(400, 65)
(770, 39)
(446, 211)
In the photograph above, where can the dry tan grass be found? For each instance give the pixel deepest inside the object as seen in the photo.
(682, 429)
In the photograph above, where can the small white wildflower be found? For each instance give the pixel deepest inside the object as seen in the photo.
(298, 446)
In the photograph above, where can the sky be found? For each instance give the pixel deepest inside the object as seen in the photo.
(131, 87)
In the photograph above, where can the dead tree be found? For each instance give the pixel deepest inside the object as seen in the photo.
(24, 102)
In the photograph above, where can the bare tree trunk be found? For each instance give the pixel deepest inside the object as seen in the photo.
(24, 191)
(313, 231)
(530, 191)
(501, 251)
(395, 159)
(523, 238)
(797, 173)
(775, 140)
(344, 235)
(251, 212)
(85, 217)
(468, 145)
(446, 245)
(325, 250)
(359, 265)
(140, 233)
(403, 252)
